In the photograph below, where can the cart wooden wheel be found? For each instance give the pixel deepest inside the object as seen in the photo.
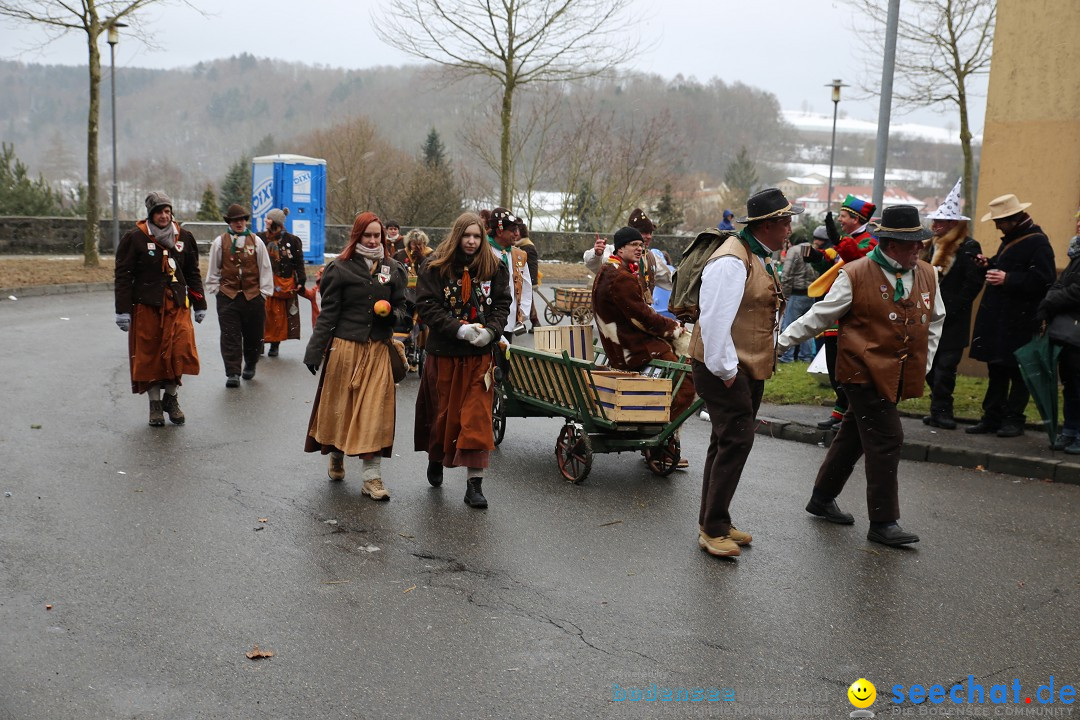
(553, 316)
(573, 451)
(498, 417)
(582, 316)
(664, 459)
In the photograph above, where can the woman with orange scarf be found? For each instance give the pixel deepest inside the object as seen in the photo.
(363, 296)
(463, 297)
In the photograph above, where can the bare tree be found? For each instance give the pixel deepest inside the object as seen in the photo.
(516, 42)
(92, 18)
(941, 45)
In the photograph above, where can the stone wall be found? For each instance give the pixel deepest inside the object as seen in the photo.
(64, 236)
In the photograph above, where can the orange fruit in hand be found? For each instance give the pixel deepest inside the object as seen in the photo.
(382, 308)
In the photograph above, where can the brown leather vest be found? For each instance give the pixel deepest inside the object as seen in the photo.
(518, 260)
(757, 320)
(881, 341)
(240, 269)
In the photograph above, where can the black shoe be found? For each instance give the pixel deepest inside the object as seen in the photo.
(434, 473)
(233, 381)
(473, 496)
(1061, 442)
(1010, 430)
(944, 422)
(273, 351)
(830, 511)
(892, 535)
(249, 372)
(829, 424)
(983, 427)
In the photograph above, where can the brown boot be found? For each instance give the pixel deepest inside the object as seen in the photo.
(157, 419)
(171, 405)
(336, 471)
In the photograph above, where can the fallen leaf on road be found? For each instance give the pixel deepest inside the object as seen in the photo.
(613, 522)
(407, 537)
(35, 427)
(48, 607)
(1020, 583)
(980, 468)
(335, 582)
(264, 519)
(409, 590)
(256, 653)
(257, 529)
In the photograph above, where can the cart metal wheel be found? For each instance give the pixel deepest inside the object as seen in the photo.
(498, 417)
(573, 451)
(553, 316)
(664, 459)
(582, 316)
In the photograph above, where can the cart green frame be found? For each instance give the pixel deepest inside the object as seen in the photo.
(542, 384)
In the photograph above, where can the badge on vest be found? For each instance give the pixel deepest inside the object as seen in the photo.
(179, 246)
(384, 277)
(926, 301)
(485, 287)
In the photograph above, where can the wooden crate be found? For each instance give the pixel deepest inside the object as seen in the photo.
(629, 397)
(577, 340)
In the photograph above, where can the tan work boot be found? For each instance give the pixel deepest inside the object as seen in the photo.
(171, 405)
(722, 546)
(157, 419)
(740, 537)
(336, 471)
(375, 489)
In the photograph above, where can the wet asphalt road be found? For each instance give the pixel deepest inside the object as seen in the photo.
(148, 545)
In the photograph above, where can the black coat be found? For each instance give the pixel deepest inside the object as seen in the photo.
(439, 302)
(1064, 295)
(959, 288)
(349, 292)
(1006, 318)
(139, 277)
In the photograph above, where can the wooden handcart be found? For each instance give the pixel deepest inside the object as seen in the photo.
(546, 385)
(575, 303)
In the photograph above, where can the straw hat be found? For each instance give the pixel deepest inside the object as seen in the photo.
(1005, 206)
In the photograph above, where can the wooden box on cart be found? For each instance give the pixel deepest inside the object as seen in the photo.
(629, 397)
(576, 340)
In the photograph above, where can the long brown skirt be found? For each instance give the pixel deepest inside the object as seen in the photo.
(282, 312)
(354, 410)
(453, 411)
(161, 345)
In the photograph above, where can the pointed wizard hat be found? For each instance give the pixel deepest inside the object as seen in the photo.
(950, 209)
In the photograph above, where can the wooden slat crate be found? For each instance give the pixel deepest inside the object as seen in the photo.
(629, 397)
(577, 340)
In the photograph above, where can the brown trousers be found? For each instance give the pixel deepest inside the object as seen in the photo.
(733, 412)
(871, 426)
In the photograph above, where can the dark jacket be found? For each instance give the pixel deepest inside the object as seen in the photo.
(441, 308)
(959, 288)
(349, 292)
(286, 257)
(139, 277)
(1064, 295)
(1006, 317)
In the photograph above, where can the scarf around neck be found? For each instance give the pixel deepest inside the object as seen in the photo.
(1074, 247)
(884, 261)
(165, 236)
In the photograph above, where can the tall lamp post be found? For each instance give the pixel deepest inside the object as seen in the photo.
(113, 39)
(835, 85)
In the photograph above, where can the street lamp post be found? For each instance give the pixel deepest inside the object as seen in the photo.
(835, 85)
(113, 38)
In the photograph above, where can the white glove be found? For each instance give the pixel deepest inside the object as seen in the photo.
(123, 321)
(200, 315)
(483, 337)
(681, 343)
(468, 333)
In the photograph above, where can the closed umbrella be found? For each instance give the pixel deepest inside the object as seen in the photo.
(1038, 366)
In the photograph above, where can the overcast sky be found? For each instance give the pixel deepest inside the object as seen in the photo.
(791, 48)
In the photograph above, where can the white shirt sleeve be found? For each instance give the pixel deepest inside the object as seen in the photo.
(937, 320)
(526, 293)
(213, 270)
(822, 314)
(722, 284)
(662, 277)
(266, 270)
(594, 262)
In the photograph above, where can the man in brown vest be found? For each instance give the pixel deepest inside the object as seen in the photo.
(734, 353)
(890, 315)
(241, 276)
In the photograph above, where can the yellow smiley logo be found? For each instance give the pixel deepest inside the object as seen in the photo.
(862, 693)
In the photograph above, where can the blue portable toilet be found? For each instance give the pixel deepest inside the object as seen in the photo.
(298, 183)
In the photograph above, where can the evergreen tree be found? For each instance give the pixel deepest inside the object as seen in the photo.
(434, 150)
(236, 187)
(264, 146)
(668, 215)
(587, 210)
(19, 195)
(431, 195)
(208, 209)
(741, 178)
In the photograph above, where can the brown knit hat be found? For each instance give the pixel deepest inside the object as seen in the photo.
(236, 212)
(640, 221)
(277, 216)
(155, 200)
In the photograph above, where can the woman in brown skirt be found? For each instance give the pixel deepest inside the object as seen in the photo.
(363, 296)
(463, 296)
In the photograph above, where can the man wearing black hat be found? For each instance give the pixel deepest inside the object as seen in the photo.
(242, 277)
(734, 353)
(890, 315)
(650, 271)
(632, 333)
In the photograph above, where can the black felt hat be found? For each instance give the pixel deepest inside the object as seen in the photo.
(900, 222)
(768, 204)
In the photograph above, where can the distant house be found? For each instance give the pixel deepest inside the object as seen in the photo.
(815, 203)
(801, 185)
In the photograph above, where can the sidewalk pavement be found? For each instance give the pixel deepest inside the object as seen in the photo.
(1026, 456)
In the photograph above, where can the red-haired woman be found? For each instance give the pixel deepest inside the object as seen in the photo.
(463, 296)
(363, 296)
